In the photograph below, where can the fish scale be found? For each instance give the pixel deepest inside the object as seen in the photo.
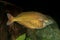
(31, 19)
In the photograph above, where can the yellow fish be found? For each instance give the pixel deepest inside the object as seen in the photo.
(32, 20)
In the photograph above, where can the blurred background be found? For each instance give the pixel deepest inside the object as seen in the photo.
(15, 7)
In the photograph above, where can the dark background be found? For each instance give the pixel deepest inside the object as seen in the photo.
(44, 6)
(16, 6)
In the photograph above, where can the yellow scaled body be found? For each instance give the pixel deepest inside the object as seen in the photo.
(32, 20)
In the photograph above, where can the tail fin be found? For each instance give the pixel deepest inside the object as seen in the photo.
(10, 19)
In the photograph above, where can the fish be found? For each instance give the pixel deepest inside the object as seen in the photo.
(31, 20)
